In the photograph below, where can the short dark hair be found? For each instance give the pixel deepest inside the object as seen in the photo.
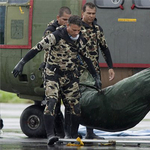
(90, 5)
(74, 19)
(64, 9)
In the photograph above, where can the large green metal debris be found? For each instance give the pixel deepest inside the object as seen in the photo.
(120, 106)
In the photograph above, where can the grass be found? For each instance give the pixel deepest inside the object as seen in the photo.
(6, 97)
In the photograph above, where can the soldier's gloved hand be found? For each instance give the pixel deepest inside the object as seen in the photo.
(18, 68)
(98, 82)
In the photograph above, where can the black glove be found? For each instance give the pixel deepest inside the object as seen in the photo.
(18, 68)
(98, 82)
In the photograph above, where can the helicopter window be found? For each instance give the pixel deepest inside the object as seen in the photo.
(17, 22)
(108, 3)
(15, 1)
(2, 23)
(3, 0)
(18, 1)
(142, 3)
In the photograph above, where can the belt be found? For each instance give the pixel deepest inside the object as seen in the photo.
(51, 67)
(56, 69)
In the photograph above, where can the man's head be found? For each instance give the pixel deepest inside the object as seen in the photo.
(74, 26)
(89, 13)
(63, 16)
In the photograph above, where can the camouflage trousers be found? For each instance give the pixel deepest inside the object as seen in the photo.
(67, 84)
(58, 105)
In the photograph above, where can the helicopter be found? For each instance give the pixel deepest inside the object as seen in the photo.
(126, 27)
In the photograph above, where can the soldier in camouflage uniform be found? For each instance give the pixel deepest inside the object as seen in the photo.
(62, 73)
(62, 19)
(93, 33)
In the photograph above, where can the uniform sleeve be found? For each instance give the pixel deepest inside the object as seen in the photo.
(104, 47)
(48, 31)
(45, 43)
(90, 68)
(85, 56)
(49, 28)
(82, 48)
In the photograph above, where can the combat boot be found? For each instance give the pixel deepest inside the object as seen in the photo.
(75, 120)
(91, 135)
(59, 125)
(49, 127)
(67, 125)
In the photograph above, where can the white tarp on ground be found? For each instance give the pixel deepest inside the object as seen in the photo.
(82, 131)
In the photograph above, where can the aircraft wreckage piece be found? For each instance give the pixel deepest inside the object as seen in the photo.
(119, 107)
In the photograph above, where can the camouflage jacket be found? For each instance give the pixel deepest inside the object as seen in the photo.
(95, 37)
(51, 27)
(62, 50)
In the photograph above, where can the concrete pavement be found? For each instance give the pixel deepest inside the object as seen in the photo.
(12, 138)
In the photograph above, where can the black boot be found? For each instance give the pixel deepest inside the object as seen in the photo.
(75, 120)
(91, 135)
(49, 127)
(71, 126)
(67, 125)
(59, 121)
(59, 125)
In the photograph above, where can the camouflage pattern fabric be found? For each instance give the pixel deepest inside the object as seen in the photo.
(67, 84)
(95, 38)
(51, 27)
(47, 32)
(62, 54)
